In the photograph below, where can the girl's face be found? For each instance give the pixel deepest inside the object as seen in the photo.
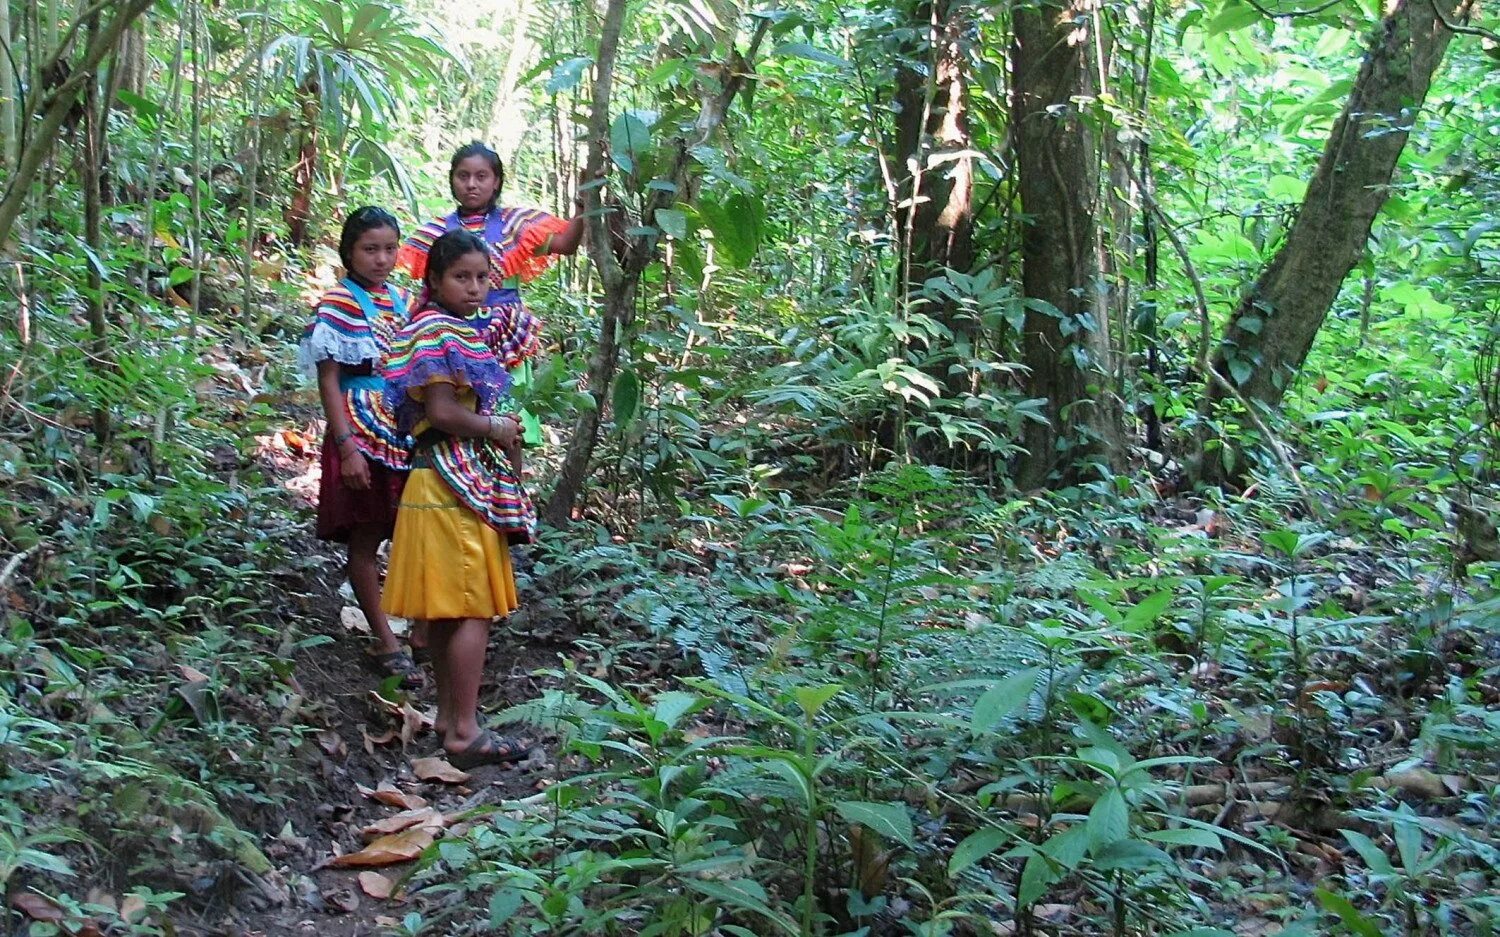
(474, 182)
(374, 255)
(463, 286)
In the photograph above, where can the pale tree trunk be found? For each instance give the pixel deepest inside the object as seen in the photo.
(46, 115)
(8, 126)
(1066, 344)
(935, 210)
(620, 272)
(93, 197)
(1279, 316)
(507, 125)
(932, 146)
(132, 62)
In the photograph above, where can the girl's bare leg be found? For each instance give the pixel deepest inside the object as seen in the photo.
(364, 578)
(459, 682)
(440, 635)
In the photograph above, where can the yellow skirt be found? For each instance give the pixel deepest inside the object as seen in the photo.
(445, 561)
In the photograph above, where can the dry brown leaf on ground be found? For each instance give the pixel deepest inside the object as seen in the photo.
(354, 620)
(344, 899)
(392, 796)
(425, 818)
(370, 741)
(437, 769)
(387, 850)
(376, 885)
(333, 745)
(412, 723)
(37, 907)
(192, 674)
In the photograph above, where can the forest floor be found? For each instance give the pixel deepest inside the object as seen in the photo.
(379, 771)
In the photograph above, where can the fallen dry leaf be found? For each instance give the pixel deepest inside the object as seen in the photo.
(193, 674)
(392, 796)
(425, 818)
(437, 769)
(37, 907)
(354, 620)
(344, 899)
(375, 885)
(412, 723)
(333, 745)
(387, 850)
(371, 741)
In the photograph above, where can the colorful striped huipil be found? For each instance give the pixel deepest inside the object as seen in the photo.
(437, 347)
(354, 327)
(514, 236)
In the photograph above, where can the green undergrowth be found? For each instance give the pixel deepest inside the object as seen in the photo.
(150, 725)
(927, 711)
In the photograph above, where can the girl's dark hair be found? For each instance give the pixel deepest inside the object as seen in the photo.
(447, 249)
(359, 222)
(485, 153)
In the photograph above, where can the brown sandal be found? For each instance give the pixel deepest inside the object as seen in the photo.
(489, 749)
(399, 664)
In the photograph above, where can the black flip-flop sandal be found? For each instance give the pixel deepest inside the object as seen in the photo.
(399, 664)
(489, 749)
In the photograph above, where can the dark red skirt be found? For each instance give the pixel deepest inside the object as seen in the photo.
(341, 508)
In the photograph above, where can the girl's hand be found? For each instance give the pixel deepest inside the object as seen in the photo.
(505, 430)
(354, 469)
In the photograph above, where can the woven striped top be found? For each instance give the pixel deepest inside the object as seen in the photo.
(438, 347)
(342, 331)
(514, 235)
(339, 330)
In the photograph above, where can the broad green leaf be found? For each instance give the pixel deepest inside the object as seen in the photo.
(627, 398)
(1375, 858)
(629, 141)
(976, 846)
(889, 820)
(674, 704)
(1186, 836)
(1003, 698)
(568, 74)
(1109, 819)
(1147, 611)
(1235, 14)
(1347, 913)
(812, 699)
(1036, 878)
(739, 894)
(673, 222)
(736, 224)
(1131, 854)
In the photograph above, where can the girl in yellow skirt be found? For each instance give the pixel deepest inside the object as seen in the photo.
(463, 504)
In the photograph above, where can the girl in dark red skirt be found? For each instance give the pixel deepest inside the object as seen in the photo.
(365, 460)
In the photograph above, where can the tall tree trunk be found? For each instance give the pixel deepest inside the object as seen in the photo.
(129, 71)
(305, 172)
(620, 258)
(619, 290)
(1066, 345)
(48, 110)
(8, 126)
(1277, 319)
(93, 198)
(932, 144)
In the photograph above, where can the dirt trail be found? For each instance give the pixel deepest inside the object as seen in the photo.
(302, 896)
(363, 741)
